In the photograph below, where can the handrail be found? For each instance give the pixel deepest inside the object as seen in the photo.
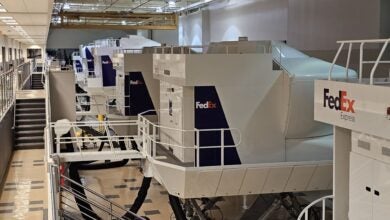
(148, 133)
(305, 212)
(191, 49)
(104, 125)
(183, 130)
(7, 92)
(95, 203)
(107, 105)
(362, 62)
(23, 72)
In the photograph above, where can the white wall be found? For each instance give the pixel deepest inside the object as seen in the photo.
(305, 24)
(190, 29)
(256, 19)
(228, 20)
(169, 37)
(73, 38)
(317, 25)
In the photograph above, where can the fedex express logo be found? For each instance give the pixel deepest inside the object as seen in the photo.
(206, 105)
(106, 62)
(340, 103)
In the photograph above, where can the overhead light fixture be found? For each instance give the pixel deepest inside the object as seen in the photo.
(159, 9)
(171, 3)
(6, 17)
(123, 22)
(66, 6)
(2, 9)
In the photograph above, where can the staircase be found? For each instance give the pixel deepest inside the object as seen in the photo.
(29, 123)
(36, 82)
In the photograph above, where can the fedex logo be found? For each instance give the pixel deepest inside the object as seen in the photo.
(340, 103)
(206, 105)
(106, 62)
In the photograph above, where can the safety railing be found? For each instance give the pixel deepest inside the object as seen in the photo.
(23, 73)
(63, 200)
(107, 43)
(128, 51)
(7, 92)
(201, 49)
(304, 215)
(86, 101)
(362, 61)
(106, 208)
(153, 135)
(89, 138)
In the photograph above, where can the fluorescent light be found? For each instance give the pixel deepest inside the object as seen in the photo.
(171, 3)
(6, 17)
(66, 6)
(3, 10)
(159, 9)
(123, 22)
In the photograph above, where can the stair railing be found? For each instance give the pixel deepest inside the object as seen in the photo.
(305, 212)
(6, 92)
(21, 76)
(109, 208)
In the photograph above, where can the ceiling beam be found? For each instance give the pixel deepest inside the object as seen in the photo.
(23, 13)
(115, 27)
(114, 15)
(25, 25)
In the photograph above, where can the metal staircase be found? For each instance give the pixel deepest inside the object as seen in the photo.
(29, 123)
(37, 81)
(99, 206)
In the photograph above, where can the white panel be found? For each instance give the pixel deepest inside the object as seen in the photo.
(254, 181)
(321, 178)
(173, 179)
(265, 19)
(381, 193)
(231, 181)
(299, 178)
(277, 179)
(207, 183)
(360, 201)
(310, 149)
(361, 144)
(370, 108)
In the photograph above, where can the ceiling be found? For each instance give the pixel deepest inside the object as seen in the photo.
(136, 6)
(121, 14)
(26, 21)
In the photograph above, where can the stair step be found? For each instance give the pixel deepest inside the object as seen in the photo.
(30, 127)
(29, 133)
(38, 145)
(30, 114)
(29, 139)
(30, 101)
(30, 110)
(38, 104)
(30, 121)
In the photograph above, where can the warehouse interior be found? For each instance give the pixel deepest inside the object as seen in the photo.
(194, 109)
